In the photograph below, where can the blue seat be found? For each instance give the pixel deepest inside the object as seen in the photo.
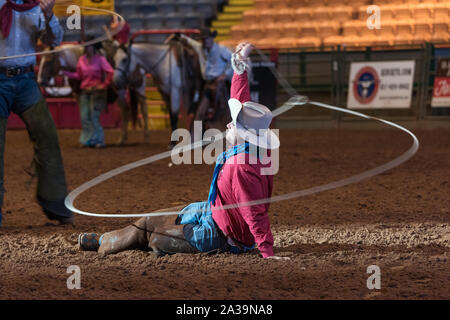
(173, 21)
(92, 23)
(154, 21)
(135, 16)
(137, 24)
(147, 8)
(207, 8)
(72, 36)
(126, 8)
(166, 7)
(186, 7)
(194, 21)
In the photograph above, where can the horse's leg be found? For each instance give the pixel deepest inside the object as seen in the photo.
(190, 107)
(142, 101)
(122, 102)
(203, 106)
(190, 121)
(174, 103)
(144, 111)
(159, 233)
(223, 112)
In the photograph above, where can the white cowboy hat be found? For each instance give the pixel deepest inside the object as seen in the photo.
(252, 121)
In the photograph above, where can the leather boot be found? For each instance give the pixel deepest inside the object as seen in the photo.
(52, 187)
(160, 234)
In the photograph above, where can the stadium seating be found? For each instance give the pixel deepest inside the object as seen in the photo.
(155, 14)
(290, 23)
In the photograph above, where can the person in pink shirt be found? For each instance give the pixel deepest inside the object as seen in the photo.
(228, 221)
(95, 74)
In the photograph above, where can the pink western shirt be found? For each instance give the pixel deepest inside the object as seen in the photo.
(97, 72)
(240, 181)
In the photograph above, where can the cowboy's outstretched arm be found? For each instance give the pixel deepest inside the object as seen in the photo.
(240, 89)
(51, 30)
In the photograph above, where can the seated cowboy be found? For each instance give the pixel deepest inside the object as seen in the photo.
(216, 71)
(22, 22)
(224, 222)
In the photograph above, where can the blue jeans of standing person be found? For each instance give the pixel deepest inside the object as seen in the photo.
(21, 94)
(92, 104)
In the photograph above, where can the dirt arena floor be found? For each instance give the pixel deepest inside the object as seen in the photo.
(399, 221)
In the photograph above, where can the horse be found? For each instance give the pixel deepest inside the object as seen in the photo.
(136, 90)
(51, 65)
(191, 60)
(171, 67)
(211, 107)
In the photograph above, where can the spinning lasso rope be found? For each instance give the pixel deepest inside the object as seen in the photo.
(295, 100)
(85, 44)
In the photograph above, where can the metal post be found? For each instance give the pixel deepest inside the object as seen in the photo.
(340, 67)
(423, 86)
(368, 54)
(82, 31)
(302, 68)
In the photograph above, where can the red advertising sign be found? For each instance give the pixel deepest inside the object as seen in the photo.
(441, 89)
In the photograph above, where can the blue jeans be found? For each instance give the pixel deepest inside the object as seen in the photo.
(92, 104)
(18, 93)
(202, 232)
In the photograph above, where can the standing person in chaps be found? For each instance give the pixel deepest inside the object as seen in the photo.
(237, 179)
(95, 74)
(22, 22)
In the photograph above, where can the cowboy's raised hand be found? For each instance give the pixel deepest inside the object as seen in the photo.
(246, 50)
(240, 46)
(47, 8)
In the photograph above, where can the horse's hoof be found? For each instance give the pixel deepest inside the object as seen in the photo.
(121, 142)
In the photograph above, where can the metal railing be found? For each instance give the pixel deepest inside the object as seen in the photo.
(323, 75)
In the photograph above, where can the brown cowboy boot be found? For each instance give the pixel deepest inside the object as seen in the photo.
(52, 187)
(159, 234)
